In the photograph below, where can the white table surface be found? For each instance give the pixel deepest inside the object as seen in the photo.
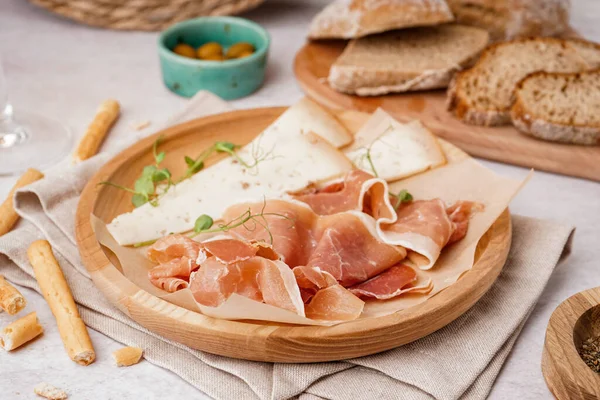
(62, 69)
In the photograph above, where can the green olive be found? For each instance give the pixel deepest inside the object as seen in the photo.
(208, 50)
(185, 50)
(237, 49)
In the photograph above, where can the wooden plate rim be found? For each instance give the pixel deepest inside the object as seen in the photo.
(450, 303)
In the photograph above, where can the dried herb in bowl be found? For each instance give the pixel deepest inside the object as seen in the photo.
(590, 353)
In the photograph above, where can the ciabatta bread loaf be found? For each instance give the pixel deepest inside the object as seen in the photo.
(511, 19)
(406, 60)
(559, 107)
(482, 95)
(347, 19)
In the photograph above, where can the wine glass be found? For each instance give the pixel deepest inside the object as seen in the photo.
(28, 139)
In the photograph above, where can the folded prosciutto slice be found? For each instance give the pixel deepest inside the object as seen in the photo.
(359, 191)
(424, 227)
(286, 226)
(391, 283)
(325, 298)
(257, 278)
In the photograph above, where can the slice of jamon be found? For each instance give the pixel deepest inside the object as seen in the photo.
(256, 278)
(349, 250)
(285, 225)
(230, 251)
(325, 298)
(173, 246)
(164, 275)
(334, 303)
(170, 284)
(360, 191)
(424, 227)
(460, 214)
(389, 284)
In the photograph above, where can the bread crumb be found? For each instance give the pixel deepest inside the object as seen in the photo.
(127, 356)
(138, 126)
(50, 392)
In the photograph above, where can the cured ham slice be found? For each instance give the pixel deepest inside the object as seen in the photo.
(171, 275)
(459, 214)
(286, 226)
(391, 283)
(334, 303)
(325, 298)
(425, 227)
(170, 284)
(256, 278)
(359, 191)
(173, 246)
(350, 251)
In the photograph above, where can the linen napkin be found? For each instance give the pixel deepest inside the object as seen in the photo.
(461, 360)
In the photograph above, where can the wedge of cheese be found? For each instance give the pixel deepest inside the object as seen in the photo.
(391, 150)
(286, 165)
(307, 116)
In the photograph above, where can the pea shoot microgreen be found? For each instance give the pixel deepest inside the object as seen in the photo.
(403, 196)
(204, 223)
(153, 182)
(367, 155)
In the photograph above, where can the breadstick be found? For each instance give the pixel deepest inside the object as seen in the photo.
(105, 117)
(55, 290)
(11, 300)
(20, 332)
(50, 392)
(8, 216)
(127, 356)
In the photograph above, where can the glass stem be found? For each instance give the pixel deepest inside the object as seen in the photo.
(11, 133)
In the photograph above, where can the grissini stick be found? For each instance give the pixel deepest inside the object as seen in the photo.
(8, 215)
(55, 290)
(107, 114)
(11, 300)
(20, 332)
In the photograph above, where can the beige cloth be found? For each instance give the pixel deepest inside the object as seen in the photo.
(461, 360)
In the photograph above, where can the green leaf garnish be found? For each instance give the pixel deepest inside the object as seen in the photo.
(139, 199)
(144, 185)
(225, 147)
(203, 223)
(403, 196)
(160, 157)
(189, 161)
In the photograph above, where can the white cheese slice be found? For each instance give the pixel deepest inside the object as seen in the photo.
(286, 165)
(396, 150)
(308, 116)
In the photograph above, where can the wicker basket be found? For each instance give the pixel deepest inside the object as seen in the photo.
(143, 15)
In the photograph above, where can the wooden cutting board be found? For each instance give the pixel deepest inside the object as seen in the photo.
(573, 322)
(255, 340)
(504, 144)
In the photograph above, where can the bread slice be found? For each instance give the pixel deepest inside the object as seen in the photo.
(406, 60)
(349, 19)
(512, 19)
(590, 51)
(482, 95)
(559, 107)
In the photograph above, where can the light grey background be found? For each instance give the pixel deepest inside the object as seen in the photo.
(62, 69)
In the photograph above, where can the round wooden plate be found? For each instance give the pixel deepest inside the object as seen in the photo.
(248, 339)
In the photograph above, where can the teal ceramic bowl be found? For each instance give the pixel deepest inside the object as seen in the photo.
(229, 79)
